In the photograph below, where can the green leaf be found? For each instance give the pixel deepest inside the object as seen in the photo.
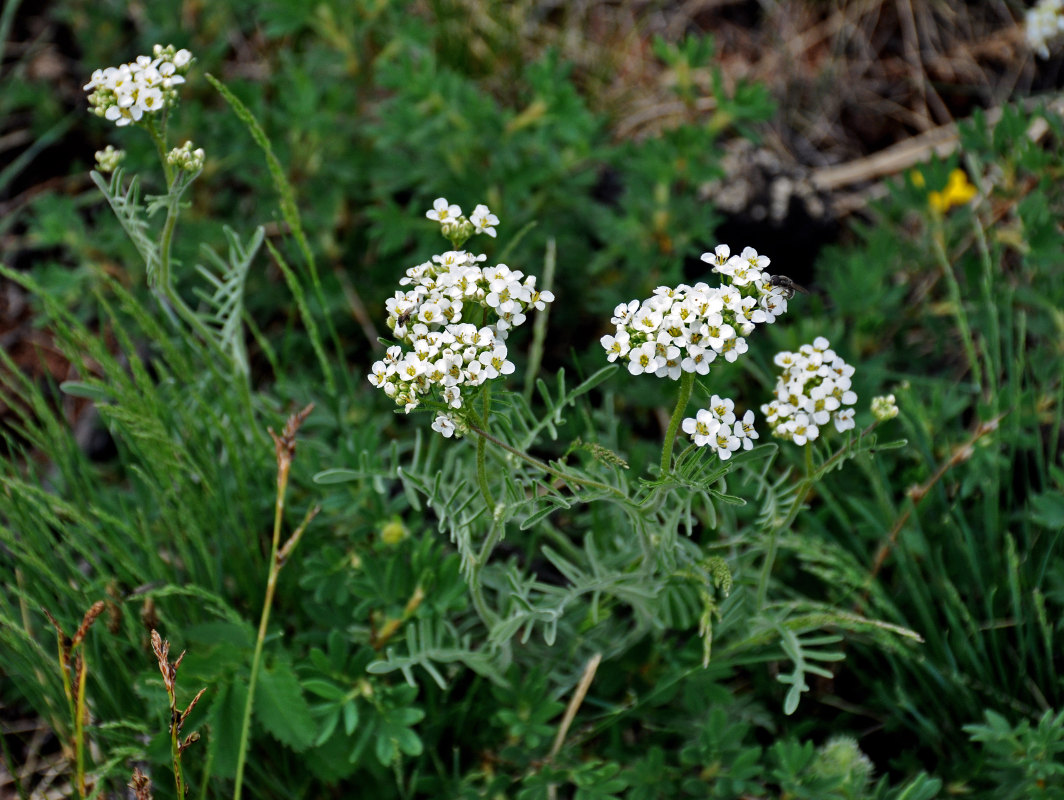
(593, 381)
(322, 688)
(96, 393)
(238, 635)
(338, 476)
(351, 717)
(281, 708)
(408, 741)
(226, 714)
(328, 725)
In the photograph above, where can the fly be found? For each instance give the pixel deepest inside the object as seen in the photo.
(788, 286)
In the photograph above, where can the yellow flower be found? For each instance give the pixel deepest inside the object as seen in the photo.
(393, 532)
(957, 192)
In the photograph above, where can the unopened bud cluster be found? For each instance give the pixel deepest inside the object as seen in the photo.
(1045, 26)
(684, 329)
(813, 390)
(184, 157)
(108, 159)
(147, 85)
(884, 408)
(718, 427)
(446, 351)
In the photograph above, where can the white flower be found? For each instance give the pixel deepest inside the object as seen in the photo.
(719, 257)
(813, 390)
(751, 257)
(644, 359)
(624, 313)
(442, 211)
(844, 420)
(483, 220)
(702, 427)
(723, 409)
(699, 322)
(698, 359)
(123, 94)
(495, 362)
(616, 346)
(1045, 26)
(745, 430)
(726, 442)
(732, 348)
(444, 424)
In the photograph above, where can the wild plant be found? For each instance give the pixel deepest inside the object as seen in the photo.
(521, 551)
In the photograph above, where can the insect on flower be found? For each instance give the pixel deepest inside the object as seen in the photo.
(787, 285)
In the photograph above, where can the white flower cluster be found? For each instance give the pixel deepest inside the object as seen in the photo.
(124, 94)
(108, 159)
(450, 217)
(447, 353)
(684, 329)
(718, 427)
(1045, 26)
(184, 157)
(810, 392)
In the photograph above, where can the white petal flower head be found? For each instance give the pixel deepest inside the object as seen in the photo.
(803, 429)
(844, 420)
(483, 220)
(616, 346)
(745, 429)
(719, 257)
(726, 442)
(723, 408)
(644, 358)
(442, 211)
(702, 428)
(444, 425)
(538, 299)
(698, 359)
(751, 257)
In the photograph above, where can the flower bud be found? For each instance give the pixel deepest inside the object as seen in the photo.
(884, 408)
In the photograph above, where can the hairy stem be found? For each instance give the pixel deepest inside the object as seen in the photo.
(487, 616)
(482, 470)
(687, 382)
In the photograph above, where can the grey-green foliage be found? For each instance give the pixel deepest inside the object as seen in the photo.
(128, 208)
(225, 303)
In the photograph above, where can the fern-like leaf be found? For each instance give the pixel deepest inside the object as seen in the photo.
(225, 301)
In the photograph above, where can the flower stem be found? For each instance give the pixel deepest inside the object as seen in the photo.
(487, 616)
(482, 470)
(687, 382)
